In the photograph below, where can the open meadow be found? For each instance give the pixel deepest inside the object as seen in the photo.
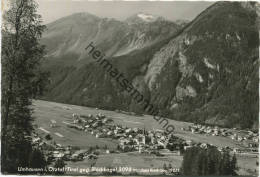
(132, 160)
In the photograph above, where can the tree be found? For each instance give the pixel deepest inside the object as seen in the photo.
(21, 80)
(59, 164)
(170, 166)
(37, 159)
(48, 137)
(90, 149)
(199, 161)
(234, 165)
(165, 166)
(225, 167)
(189, 160)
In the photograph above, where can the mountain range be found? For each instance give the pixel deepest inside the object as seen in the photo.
(203, 71)
(68, 36)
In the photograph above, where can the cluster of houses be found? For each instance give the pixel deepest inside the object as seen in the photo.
(203, 129)
(131, 139)
(89, 123)
(143, 141)
(225, 132)
(248, 138)
(149, 141)
(54, 151)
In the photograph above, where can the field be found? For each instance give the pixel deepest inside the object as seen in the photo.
(133, 160)
(45, 112)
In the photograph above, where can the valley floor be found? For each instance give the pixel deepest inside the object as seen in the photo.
(45, 112)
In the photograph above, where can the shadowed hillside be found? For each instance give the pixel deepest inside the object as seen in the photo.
(207, 72)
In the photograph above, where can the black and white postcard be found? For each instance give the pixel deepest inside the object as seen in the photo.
(129, 88)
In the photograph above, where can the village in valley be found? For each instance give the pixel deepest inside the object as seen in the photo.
(130, 89)
(138, 140)
(143, 141)
(249, 139)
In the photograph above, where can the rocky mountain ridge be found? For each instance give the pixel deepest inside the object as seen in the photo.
(206, 72)
(67, 37)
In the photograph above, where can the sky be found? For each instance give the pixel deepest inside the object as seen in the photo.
(52, 10)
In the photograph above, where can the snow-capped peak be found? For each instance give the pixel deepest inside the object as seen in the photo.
(143, 18)
(146, 17)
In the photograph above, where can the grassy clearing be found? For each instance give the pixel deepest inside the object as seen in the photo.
(62, 134)
(133, 160)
